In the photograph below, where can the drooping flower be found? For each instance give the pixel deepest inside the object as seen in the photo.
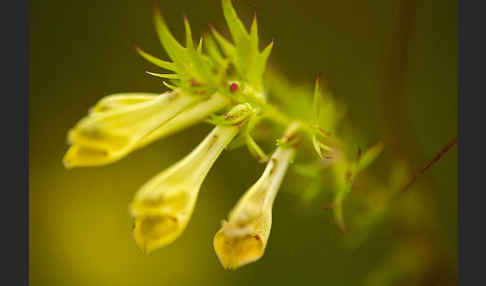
(188, 117)
(243, 237)
(119, 124)
(163, 206)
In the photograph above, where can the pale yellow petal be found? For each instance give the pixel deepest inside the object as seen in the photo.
(243, 238)
(121, 123)
(120, 100)
(163, 206)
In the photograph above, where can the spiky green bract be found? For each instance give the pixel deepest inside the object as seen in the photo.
(345, 171)
(193, 70)
(244, 54)
(193, 67)
(156, 61)
(297, 100)
(205, 70)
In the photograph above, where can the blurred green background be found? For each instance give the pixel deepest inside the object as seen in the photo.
(394, 63)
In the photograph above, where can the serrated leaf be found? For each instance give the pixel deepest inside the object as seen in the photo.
(192, 66)
(249, 63)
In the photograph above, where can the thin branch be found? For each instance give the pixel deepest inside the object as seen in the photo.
(429, 164)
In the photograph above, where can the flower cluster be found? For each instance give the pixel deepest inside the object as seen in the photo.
(219, 82)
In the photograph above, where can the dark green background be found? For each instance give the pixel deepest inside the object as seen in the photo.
(80, 230)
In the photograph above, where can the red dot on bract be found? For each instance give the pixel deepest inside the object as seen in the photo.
(234, 87)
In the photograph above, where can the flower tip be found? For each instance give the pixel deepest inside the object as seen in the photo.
(152, 233)
(67, 164)
(69, 159)
(235, 252)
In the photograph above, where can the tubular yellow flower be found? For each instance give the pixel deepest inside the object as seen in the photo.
(163, 206)
(243, 238)
(188, 117)
(119, 124)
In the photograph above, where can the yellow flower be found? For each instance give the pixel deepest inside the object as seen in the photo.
(188, 117)
(243, 238)
(119, 124)
(163, 206)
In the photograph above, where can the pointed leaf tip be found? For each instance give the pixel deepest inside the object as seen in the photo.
(236, 27)
(254, 17)
(187, 26)
(163, 75)
(155, 5)
(156, 61)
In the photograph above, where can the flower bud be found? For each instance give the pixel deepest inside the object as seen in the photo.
(163, 206)
(243, 238)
